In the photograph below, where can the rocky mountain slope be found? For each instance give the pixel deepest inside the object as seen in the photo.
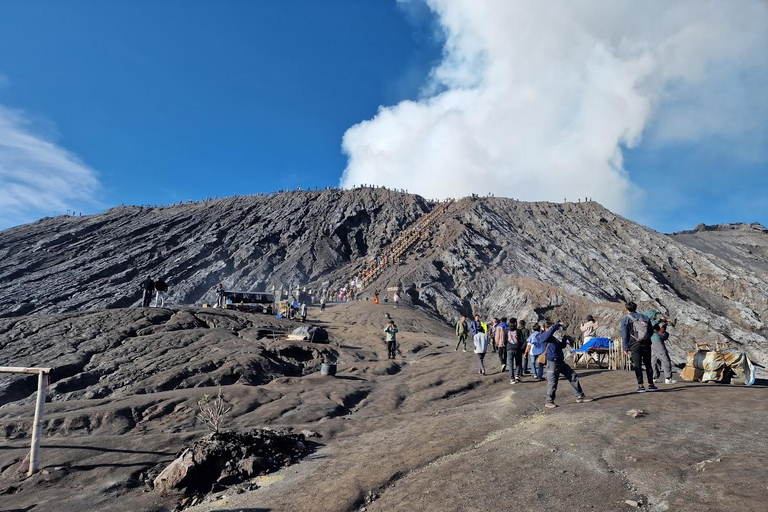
(744, 245)
(496, 256)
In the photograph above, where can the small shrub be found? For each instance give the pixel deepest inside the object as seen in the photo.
(213, 411)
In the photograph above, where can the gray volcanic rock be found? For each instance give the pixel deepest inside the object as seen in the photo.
(742, 244)
(248, 243)
(496, 256)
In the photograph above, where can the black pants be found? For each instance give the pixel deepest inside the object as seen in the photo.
(515, 363)
(391, 349)
(502, 351)
(641, 355)
(147, 298)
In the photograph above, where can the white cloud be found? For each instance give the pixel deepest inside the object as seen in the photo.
(537, 100)
(37, 177)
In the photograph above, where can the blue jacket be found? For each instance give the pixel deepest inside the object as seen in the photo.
(474, 327)
(554, 346)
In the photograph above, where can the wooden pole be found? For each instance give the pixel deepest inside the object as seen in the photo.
(34, 455)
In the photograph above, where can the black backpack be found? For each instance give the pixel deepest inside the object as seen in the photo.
(161, 285)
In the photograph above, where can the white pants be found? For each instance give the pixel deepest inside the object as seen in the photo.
(159, 299)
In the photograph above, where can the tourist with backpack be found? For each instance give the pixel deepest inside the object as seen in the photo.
(556, 366)
(533, 350)
(515, 349)
(660, 360)
(636, 334)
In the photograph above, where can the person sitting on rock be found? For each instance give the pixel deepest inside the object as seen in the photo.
(556, 366)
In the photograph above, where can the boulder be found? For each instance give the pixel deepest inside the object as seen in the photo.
(174, 476)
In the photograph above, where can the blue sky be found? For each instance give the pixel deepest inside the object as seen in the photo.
(154, 102)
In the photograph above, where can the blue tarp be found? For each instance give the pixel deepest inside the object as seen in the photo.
(596, 343)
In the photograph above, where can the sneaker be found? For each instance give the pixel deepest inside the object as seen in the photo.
(518, 380)
(550, 405)
(464, 350)
(640, 389)
(670, 381)
(583, 399)
(512, 381)
(652, 388)
(655, 380)
(503, 367)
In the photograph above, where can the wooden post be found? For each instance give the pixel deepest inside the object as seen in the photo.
(43, 377)
(34, 454)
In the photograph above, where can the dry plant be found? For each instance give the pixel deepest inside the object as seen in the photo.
(213, 411)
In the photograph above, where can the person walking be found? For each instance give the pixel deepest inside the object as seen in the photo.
(636, 333)
(659, 355)
(480, 339)
(476, 326)
(148, 289)
(500, 334)
(462, 331)
(220, 299)
(534, 349)
(396, 300)
(526, 333)
(515, 348)
(391, 339)
(556, 366)
(303, 309)
(588, 328)
(322, 304)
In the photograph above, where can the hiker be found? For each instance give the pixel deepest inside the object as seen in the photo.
(480, 339)
(636, 339)
(396, 299)
(660, 360)
(161, 288)
(303, 312)
(322, 304)
(556, 366)
(515, 344)
(391, 338)
(476, 326)
(376, 298)
(148, 287)
(533, 349)
(462, 331)
(500, 339)
(589, 328)
(525, 333)
(220, 300)
(660, 356)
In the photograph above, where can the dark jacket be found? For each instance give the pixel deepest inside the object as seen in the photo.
(148, 285)
(519, 343)
(554, 346)
(475, 327)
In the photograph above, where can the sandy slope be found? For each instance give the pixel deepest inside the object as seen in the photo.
(424, 432)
